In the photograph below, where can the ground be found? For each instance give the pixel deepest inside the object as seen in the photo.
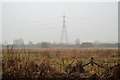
(58, 63)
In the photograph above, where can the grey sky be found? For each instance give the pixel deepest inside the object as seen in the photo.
(88, 21)
(0, 23)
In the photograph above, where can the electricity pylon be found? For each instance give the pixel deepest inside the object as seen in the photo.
(64, 35)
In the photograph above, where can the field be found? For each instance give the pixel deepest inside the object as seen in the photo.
(60, 64)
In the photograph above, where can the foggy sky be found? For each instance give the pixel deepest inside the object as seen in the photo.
(0, 23)
(38, 22)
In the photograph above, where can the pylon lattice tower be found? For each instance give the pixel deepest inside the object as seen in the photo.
(64, 35)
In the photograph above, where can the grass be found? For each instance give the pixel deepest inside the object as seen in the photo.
(57, 60)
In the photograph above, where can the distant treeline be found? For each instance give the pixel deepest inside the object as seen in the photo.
(53, 45)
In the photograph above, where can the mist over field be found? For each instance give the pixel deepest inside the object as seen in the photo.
(59, 41)
(38, 22)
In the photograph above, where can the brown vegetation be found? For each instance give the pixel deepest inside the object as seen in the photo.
(60, 64)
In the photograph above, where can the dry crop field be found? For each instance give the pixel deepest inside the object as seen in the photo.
(60, 64)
